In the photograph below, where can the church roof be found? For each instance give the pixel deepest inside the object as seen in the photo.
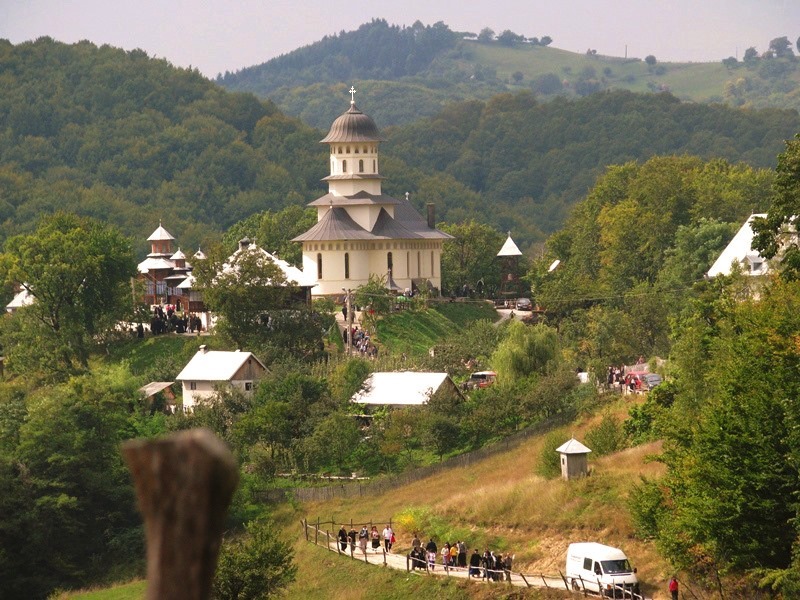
(389, 228)
(155, 264)
(572, 446)
(335, 224)
(359, 198)
(509, 248)
(178, 255)
(353, 126)
(410, 218)
(160, 234)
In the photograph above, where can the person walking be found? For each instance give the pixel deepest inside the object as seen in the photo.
(342, 538)
(363, 536)
(376, 538)
(388, 534)
(673, 587)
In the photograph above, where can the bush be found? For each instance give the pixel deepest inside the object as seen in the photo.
(549, 463)
(606, 437)
(254, 566)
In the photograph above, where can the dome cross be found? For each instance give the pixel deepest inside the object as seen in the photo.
(352, 92)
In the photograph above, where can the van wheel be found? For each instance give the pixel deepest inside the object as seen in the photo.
(575, 586)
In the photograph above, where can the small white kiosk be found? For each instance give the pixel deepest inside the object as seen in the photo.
(574, 462)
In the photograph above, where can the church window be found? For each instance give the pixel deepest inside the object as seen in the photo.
(347, 265)
(374, 166)
(389, 260)
(356, 149)
(344, 166)
(365, 149)
(348, 149)
(432, 272)
(361, 165)
(408, 264)
(419, 265)
(319, 266)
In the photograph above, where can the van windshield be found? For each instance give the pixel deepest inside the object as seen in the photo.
(614, 567)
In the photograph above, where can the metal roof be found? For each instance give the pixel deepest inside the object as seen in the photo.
(359, 199)
(509, 248)
(739, 249)
(335, 224)
(405, 388)
(353, 126)
(573, 446)
(215, 365)
(154, 387)
(154, 264)
(160, 234)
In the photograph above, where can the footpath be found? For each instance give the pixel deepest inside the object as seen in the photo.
(401, 562)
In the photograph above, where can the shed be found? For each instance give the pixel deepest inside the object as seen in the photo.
(152, 389)
(574, 456)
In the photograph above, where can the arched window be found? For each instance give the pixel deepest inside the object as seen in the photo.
(419, 265)
(348, 149)
(347, 265)
(408, 264)
(340, 149)
(360, 165)
(344, 166)
(374, 166)
(433, 274)
(389, 263)
(319, 266)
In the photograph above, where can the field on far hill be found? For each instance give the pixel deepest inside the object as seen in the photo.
(414, 332)
(501, 503)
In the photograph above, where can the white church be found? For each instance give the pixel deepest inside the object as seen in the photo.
(360, 230)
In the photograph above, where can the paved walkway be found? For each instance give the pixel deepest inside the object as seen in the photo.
(398, 561)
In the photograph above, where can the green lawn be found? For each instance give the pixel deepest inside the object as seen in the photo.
(126, 591)
(414, 332)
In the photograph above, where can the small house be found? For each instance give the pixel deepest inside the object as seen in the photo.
(574, 459)
(211, 368)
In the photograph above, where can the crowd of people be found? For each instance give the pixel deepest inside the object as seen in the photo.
(166, 320)
(487, 565)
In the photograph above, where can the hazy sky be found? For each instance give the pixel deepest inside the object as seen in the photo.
(220, 35)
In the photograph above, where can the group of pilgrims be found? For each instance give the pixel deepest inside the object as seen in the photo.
(489, 566)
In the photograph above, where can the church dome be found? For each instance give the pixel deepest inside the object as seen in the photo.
(353, 126)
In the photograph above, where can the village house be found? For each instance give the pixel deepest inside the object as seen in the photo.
(210, 369)
(407, 388)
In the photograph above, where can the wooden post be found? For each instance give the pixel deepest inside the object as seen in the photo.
(564, 579)
(184, 484)
(316, 533)
(544, 581)
(384, 557)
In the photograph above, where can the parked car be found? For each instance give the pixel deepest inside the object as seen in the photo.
(650, 380)
(524, 304)
(480, 379)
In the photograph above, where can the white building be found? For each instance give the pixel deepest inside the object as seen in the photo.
(210, 368)
(406, 388)
(361, 231)
(740, 251)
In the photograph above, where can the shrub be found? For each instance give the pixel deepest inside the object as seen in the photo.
(606, 437)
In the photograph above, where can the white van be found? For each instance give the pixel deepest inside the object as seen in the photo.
(602, 569)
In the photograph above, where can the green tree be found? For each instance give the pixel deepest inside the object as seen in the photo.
(78, 272)
(774, 235)
(486, 35)
(525, 351)
(334, 440)
(650, 60)
(256, 565)
(471, 256)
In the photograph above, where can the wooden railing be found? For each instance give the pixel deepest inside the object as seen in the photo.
(316, 533)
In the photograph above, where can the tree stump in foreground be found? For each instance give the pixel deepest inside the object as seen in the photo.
(184, 484)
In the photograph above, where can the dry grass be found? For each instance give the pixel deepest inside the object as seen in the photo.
(501, 503)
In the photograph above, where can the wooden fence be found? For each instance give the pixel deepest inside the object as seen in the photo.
(316, 534)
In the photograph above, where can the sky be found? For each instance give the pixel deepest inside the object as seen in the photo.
(215, 36)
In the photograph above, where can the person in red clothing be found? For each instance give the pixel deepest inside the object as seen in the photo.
(673, 588)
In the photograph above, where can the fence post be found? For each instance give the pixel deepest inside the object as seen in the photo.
(521, 574)
(564, 579)
(384, 557)
(338, 545)
(316, 533)
(328, 535)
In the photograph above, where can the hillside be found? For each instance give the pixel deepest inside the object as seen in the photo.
(418, 70)
(132, 140)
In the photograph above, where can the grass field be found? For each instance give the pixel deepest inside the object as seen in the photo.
(414, 332)
(133, 590)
